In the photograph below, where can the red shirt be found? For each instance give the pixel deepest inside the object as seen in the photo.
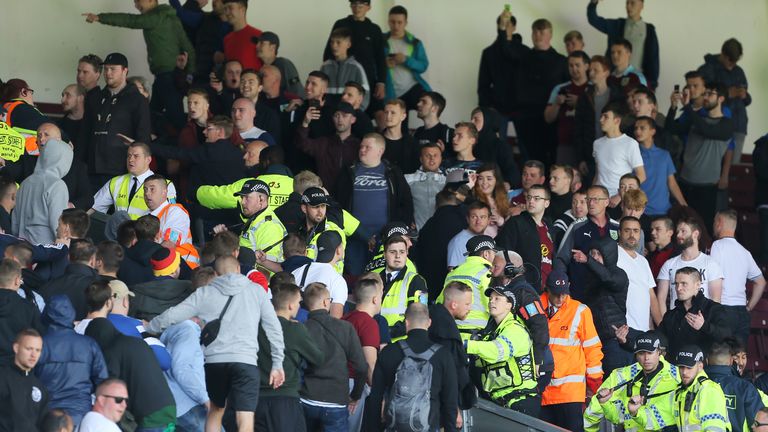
(547, 253)
(239, 46)
(367, 330)
(566, 117)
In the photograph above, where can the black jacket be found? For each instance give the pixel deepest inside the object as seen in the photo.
(367, 47)
(135, 267)
(519, 234)
(156, 296)
(400, 200)
(125, 113)
(530, 310)
(329, 381)
(491, 148)
(16, 314)
(133, 361)
(25, 400)
(431, 250)
(497, 79)
(606, 289)
(215, 164)
(584, 122)
(540, 72)
(679, 333)
(443, 392)
(558, 204)
(444, 331)
(73, 283)
(760, 161)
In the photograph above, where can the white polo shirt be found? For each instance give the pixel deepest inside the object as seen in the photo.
(326, 274)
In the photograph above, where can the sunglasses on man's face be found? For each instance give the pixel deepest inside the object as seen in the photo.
(118, 399)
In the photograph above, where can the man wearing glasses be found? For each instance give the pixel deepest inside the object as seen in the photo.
(581, 235)
(108, 408)
(528, 235)
(761, 421)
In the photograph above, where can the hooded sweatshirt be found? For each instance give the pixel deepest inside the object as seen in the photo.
(237, 341)
(606, 288)
(131, 360)
(71, 365)
(43, 195)
(16, 314)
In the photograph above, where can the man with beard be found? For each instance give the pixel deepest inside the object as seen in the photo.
(73, 106)
(711, 274)
(641, 294)
(708, 139)
(428, 109)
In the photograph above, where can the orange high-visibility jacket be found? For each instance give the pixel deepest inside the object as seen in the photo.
(577, 351)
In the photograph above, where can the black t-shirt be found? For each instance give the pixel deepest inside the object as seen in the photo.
(70, 129)
(440, 131)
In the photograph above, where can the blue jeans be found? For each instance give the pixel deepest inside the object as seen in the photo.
(326, 419)
(193, 420)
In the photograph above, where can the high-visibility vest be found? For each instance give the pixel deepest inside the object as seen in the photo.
(396, 300)
(119, 188)
(280, 187)
(183, 243)
(262, 231)
(30, 136)
(476, 273)
(577, 351)
(320, 228)
(505, 358)
(708, 410)
(658, 411)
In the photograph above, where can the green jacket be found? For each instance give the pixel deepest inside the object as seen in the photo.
(701, 406)
(657, 412)
(300, 349)
(163, 34)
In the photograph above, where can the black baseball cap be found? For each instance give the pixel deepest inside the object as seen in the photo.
(480, 243)
(269, 37)
(327, 242)
(345, 107)
(557, 283)
(253, 185)
(397, 229)
(314, 196)
(115, 59)
(502, 290)
(647, 342)
(689, 356)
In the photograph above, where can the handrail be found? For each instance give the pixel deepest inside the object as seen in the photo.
(489, 417)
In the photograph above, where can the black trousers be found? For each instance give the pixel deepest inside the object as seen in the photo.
(568, 416)
(738, 318)
(280, 413)
(529, 406)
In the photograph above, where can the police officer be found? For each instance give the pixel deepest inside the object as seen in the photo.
(314, 205)
(509, 270)
(262, 231)
(699, 401)
(126, 192)
(475, 272)
(646, 389)
(393, 229)
(505, 356)
(402, 286)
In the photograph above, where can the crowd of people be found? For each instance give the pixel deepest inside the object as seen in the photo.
(281, 257)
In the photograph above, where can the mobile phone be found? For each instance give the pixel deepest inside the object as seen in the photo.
(677, 88)
(508, 7)
(314, 103)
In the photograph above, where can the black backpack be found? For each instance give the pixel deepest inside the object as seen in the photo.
(408, 400)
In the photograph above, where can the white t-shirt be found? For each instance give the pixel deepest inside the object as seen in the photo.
(457, 247)
(324, 273)
(708, 268)
(638, 295)
(738, 266)
(614, 158)
(95, 422)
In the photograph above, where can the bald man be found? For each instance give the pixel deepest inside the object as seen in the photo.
(252, 152)
(243, 115)
(73, 106)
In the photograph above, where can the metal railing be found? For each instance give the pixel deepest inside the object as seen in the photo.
(489, 417)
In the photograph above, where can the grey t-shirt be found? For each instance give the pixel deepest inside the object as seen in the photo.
(703, 158)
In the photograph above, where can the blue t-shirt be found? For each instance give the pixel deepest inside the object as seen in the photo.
(370, 197)
(658, 167)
